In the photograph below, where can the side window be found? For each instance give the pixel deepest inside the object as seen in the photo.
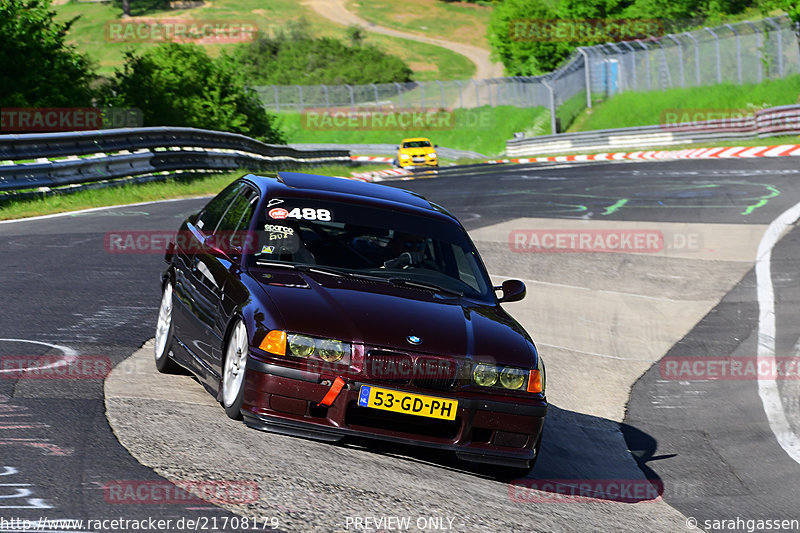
(237, 218)
(213, 211)
(468, 269)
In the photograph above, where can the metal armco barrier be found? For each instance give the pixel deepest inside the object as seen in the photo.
(783, 120)
(118, 153)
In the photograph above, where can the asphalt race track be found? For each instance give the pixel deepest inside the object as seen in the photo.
(607, 322)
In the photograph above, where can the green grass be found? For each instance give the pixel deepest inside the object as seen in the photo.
(483, 130)
(185, 186)
(630, 109)
(457, 22)
(89, 34)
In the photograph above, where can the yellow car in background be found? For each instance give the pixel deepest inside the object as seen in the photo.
(417, 152)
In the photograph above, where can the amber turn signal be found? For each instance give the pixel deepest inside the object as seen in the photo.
(535, 381)
(274, 342)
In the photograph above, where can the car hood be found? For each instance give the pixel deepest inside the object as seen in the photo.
(382, 315)
(416, 151)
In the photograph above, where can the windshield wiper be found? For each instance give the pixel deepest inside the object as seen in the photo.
(330, 271)
(426, 286)
(275, 264)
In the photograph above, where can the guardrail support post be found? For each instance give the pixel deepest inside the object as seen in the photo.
(352, 97)
(553, 128)
(757, 33)
(696, 57)
(377, 102)
(300, 97)
(327, 99)
(587, 77)
(633, 62)
(777, 27)
(738, 53)
(680, 58)
(716, 47)
(399, 94)
(647, 63)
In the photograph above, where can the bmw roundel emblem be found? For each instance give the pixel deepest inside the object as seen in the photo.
(413, 339)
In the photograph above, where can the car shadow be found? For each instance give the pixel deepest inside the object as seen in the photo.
(583, 458)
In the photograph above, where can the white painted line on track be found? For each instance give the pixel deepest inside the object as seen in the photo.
(579, 287)
(595, 354)
(768, 388)
(69, 355)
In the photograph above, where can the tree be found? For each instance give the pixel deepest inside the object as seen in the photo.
(180, 85)
(38, 68)
(294, 57)
(518, 34)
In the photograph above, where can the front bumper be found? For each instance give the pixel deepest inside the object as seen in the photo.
(285, 400)
(419, 163)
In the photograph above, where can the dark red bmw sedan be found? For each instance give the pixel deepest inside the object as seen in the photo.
(323, 307)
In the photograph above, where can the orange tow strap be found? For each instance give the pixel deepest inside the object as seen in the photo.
(333, 392)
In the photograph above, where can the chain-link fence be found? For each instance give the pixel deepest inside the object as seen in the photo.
(517, 91)
(746, 52)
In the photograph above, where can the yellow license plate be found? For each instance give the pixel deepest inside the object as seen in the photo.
(407, 403)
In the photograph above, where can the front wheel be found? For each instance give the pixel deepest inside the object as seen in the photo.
(234, 370)
(163, 340)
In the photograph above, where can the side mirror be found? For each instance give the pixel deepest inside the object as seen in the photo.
(436, 146)
(513, 291)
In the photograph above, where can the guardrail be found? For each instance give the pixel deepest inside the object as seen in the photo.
(388, 149)
(783, 120)
(28, 161)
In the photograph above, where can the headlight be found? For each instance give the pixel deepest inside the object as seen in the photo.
(300, 345)
(432, 155)
(404, 156)
(512, 378)
(332, 350)
(485, 375)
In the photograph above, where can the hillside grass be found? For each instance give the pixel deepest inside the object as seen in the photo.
(483, 130)
(650, 108)
(459, 22)
(89, 34)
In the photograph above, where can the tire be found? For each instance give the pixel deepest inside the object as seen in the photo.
(233, 370)
(164, 330)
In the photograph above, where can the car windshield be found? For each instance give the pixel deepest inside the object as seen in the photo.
(354, 240)
(416, 144)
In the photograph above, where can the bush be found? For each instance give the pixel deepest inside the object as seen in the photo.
(295, 57)
(180, 85)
